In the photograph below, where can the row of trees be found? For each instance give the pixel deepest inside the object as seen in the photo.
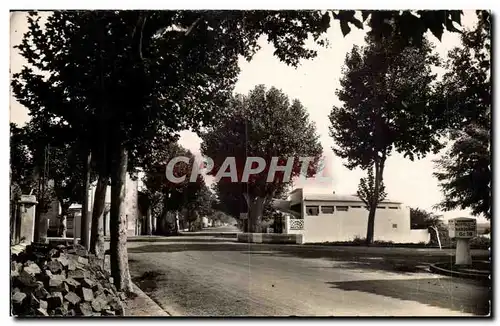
(263, 124)
(109, 85)
(122, 81)
(391, 103)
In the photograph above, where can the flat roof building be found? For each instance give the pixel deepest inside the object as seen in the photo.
(339, 218)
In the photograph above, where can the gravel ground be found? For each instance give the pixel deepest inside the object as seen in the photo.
(199, 276)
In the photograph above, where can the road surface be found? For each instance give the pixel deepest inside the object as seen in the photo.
(218, 229)
(203, 276)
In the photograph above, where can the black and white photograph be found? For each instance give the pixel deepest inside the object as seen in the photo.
(250, 163)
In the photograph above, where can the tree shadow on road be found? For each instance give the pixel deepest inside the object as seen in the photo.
(444, 293)
(148, 280)
(391, 261)
(182, 239)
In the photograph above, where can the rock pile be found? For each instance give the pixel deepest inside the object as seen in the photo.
(62, 281)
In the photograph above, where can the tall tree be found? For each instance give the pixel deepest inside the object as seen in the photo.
(464, 171)
(263, 124)
(387, 94)
(167, 196)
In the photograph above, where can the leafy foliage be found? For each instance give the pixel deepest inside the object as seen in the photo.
(38, 156)
(464, 172)
(366, 190)
(421, 219)
(263, 124)
(412, 25)
(386, 99)
(21, 160)
(222, 217)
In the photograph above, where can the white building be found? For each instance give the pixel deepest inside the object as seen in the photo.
(337, 218)
(131, 208)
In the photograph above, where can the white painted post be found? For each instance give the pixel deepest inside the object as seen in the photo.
(27, 210)
(463, 255)
(437, 235)
(74, 230)
(286, 228)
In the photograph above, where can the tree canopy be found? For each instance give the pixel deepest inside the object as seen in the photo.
(388, 105)
(464, 171)
(266, 125)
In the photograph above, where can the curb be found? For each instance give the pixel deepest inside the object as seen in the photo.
(210, 234)
(231, 236)
(440, 270)
(143, 306)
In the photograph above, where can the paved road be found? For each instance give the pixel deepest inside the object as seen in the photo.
(202, 276)
(219, 229)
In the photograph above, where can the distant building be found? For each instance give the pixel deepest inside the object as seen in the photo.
(338, 218)
(131, 208)
(205, 222)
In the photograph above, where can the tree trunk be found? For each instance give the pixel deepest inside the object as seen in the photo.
(97, 234)
(255, 210)
(379, 170)
(40, 231)
(371, 225)
(161, 222)
(63, 226)
(14, 221)
(104, 223)
(149, 222)
(118, 224)
(176, 223)
(84, 229)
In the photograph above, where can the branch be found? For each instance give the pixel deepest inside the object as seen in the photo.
(140, 38)
(193, 25)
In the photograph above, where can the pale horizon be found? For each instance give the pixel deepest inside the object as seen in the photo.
(314, 83)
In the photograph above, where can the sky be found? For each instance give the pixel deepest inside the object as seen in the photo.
(314, 83)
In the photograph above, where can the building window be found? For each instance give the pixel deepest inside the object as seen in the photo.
(312, 210)
(327, 209)
(342, 208)
(393, 207)
(394, 226)
(355, 206)
(380, 207)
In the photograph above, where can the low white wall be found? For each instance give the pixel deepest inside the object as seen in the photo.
(270, 238)
(417, 236)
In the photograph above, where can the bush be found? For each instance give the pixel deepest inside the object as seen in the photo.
(383, 243)
(480, 243)
(357, 241)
